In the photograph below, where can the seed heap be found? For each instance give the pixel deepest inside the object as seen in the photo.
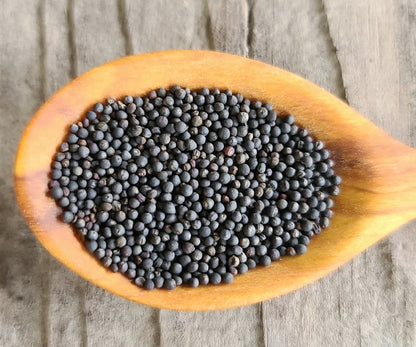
(192, 187)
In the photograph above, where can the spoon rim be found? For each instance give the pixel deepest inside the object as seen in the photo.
(59, 110)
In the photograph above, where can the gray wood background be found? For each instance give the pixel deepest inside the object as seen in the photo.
(362, 51)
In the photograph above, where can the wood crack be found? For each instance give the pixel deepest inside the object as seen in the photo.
(263, 336)
(43, 261)
(209, 30)
(340, 79)
(42, 49)
(83, 312)
(124, 27)
(249, 28)
(157, 318)
(45, 298)
(73, 71)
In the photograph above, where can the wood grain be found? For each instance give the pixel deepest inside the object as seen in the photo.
(235, 327)
(178, 26)
(369, 161)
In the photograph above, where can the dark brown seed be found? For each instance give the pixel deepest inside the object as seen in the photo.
(229, 151)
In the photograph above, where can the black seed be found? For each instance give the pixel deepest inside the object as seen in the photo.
(67, 216)
(300, 249)
(148, 284)
(265, 260)
(169, 284)
(215, 278)
(227, 278)
(56, 193)
(91, 245)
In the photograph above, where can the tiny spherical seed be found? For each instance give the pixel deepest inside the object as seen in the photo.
(67, 216)
(169, 284)
(56, 193)
(192, 187)
(215, 278)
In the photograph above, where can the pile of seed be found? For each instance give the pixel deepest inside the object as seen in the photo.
(192, 187)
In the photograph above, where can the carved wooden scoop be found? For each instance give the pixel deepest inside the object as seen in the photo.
(378, 193)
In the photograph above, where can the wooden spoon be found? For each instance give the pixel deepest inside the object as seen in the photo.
(378, 193)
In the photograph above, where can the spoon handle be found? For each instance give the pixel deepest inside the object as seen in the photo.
(398, 180)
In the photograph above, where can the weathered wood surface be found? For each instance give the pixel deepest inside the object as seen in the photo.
(364, 52)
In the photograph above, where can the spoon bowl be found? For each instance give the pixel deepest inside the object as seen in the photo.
(378, 193)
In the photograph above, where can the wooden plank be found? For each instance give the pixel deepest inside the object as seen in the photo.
(163, 25)
(219, 25)
(379, 75)
(113, 321)
(110, 320)
(66, 316)
(56, 45)
(294, 36)
(380, 82)
(227, 26)
(236, 327)
(65, 305)
(370, 300)
(96, 33)
(21, 320)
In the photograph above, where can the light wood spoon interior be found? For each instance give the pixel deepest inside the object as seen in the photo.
(378, 193)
